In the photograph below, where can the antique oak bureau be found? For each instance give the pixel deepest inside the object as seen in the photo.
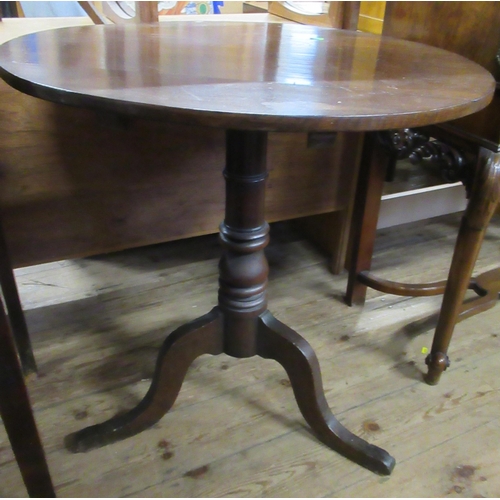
(248, 79)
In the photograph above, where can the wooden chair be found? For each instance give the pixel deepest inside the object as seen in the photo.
(467, 149)
(120, 13)
(17, 417)
(341, 15)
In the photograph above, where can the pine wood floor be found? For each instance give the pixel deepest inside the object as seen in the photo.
(235, 430)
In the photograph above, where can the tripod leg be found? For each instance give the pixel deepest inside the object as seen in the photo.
(279, 342)
(201, 336)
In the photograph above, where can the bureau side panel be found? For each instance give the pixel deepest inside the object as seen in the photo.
(75, 182)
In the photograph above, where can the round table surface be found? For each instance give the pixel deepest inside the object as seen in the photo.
(248, 75)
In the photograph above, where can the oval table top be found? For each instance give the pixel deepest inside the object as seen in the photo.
(248, 75)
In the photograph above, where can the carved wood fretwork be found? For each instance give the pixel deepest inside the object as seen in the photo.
(454, 164)
(399, 144)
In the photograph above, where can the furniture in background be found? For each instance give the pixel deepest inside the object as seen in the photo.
(121, 12)
(78, 182)
(467, 149)
(9, 28)
(17, 417)
(15, 407)
(70, 176)
(14, 308)
(286, 78)
(340, 15)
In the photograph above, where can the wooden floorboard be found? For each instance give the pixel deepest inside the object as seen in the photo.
(235, 429)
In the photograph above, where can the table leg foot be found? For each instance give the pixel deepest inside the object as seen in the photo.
(279, 342)
(201, 336)
(437, 363)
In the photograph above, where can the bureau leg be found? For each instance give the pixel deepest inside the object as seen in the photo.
(17, 417)
(482, 204)
(180, 349)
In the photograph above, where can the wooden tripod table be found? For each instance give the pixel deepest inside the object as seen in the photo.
(247, 79)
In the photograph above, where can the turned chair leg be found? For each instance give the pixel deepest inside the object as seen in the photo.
(483, 201)
(365, 216)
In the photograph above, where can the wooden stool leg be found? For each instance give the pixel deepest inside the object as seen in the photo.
(17, 416)
(483, 201)
(15, 310)
(365, 216)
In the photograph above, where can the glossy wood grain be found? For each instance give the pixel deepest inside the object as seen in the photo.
(471, 27)
(466, 28)
(240, 326)
(76, 182)
(258, 76)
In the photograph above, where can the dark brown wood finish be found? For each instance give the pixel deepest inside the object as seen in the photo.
(241, 326)
(404, 289)
(469, 29)
(17, 416)
(14, 309)
(365, 215)
(76, 183)
(483, 200)
(247, 79)
(466, 28)
(482, 204)
(247, 75)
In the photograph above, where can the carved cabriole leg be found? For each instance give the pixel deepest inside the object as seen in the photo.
(365, 216)
(482, 203)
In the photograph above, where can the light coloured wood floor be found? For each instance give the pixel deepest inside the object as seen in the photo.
(235, 429)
